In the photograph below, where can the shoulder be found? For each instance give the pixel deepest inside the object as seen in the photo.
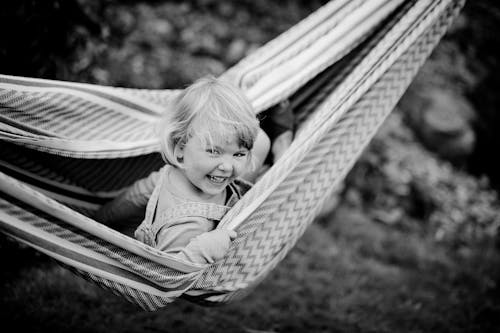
(154, 177)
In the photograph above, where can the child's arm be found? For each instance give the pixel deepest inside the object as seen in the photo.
(279, 124)
(129, 206)
(208, 247)
(190, 241)
(260, 150)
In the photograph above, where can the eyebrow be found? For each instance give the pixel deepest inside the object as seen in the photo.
(240, 148)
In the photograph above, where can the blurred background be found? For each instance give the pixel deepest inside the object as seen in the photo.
(411, 242)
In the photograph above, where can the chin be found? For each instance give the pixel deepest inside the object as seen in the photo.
(213, 191)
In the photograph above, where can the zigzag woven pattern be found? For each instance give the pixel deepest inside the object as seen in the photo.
(144, 300)
(278, 224)
(395, 42)
(41, 116)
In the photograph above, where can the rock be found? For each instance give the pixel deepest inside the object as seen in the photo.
(236, 51)
(443, 120)
(446, 128)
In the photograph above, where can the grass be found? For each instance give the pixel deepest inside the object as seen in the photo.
(346, 274)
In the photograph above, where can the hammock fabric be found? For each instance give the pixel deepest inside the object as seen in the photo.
(69, 147)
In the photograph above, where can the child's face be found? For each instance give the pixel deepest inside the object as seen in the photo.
(210, 168)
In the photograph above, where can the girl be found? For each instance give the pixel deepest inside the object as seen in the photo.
(210, 140)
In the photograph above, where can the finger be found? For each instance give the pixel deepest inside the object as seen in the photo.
(232, 234)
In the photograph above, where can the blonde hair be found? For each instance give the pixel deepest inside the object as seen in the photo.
(212, 110)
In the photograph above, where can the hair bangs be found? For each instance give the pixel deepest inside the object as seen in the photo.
(212, 128)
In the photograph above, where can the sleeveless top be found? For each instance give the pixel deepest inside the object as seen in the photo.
(190, 218)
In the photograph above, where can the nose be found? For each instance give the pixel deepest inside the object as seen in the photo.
(226, 165)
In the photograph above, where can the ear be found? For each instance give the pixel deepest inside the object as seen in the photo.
(179, 152)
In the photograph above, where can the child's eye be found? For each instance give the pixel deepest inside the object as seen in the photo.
(241, 154)
(213, 151)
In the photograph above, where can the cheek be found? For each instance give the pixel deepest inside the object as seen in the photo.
(201, 166)
(241, 166)
(197, 161)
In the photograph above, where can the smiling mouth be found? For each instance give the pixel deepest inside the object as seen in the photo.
(217, 179)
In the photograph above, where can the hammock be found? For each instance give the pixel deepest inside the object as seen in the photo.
(68, 147)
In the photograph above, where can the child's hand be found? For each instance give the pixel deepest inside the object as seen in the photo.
(215, 244)
(281, 144)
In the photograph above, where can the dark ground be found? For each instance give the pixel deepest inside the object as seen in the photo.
(411, 245)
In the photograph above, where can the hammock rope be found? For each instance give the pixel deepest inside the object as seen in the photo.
(367, 74)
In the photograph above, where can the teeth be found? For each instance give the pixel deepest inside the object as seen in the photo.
(217, 179)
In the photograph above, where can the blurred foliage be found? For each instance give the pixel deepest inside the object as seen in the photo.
(478, 40)
(41, 38)
(399, 183)
(168, 44)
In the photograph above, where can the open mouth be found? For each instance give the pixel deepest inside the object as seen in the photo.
(217, 179)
